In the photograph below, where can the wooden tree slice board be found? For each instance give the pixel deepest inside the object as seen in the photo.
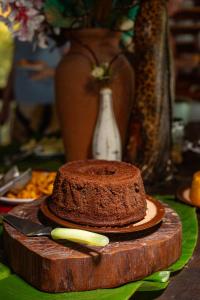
(53, 267)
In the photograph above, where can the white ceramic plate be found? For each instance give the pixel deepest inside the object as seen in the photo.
(46, 153)
(183, 194)
(13, 201)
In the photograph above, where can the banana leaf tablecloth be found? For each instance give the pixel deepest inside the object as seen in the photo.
(13, 287)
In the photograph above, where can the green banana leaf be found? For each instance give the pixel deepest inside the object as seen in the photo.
(4, 271)
(150, 286)
(14, 288)
(190, 232)
(162, 276)
(189, 221)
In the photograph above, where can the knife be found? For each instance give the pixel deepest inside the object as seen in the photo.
(9, 175)
(17, 183)
(32, 229)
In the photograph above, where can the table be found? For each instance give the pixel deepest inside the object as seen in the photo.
(184, 285)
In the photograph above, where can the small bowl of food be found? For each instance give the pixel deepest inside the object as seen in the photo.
(41, 184)
(190, 194)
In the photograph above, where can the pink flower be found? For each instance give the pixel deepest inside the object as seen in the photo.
(29, 19)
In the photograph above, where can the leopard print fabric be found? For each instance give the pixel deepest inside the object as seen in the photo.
(150, 125)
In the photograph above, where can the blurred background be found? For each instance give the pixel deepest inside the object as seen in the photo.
(28, 121)
(18, 105)
(184, 24)
(6, 57)
(185, 33)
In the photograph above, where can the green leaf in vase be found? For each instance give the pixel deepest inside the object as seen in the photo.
(65, 14)
(133, 12)
(54, 16)
(57, 4)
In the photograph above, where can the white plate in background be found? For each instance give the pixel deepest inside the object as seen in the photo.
(13, 201)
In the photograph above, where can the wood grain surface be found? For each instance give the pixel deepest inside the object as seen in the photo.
(56, 267)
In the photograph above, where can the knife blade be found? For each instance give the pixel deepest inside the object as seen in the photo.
(26, 226)
(17, 183)
(32, 229)
(9, 175)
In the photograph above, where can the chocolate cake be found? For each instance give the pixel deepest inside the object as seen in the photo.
(99, 193)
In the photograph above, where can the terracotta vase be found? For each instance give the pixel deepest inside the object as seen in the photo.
(77, 92)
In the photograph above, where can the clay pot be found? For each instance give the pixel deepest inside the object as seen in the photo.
(77, 92)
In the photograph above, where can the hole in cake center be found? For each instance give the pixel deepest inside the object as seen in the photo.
(98, 171)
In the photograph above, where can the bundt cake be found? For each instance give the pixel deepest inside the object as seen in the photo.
(99, 193)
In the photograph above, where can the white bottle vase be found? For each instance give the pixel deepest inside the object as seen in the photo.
(106, 139)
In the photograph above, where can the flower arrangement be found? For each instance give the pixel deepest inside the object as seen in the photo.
(25, 19)
(35, 20)
(101, 71)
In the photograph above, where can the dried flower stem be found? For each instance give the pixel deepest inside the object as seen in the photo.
(89, 50)
(96, 60)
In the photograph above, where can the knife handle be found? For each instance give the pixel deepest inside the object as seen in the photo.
(80, 236)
